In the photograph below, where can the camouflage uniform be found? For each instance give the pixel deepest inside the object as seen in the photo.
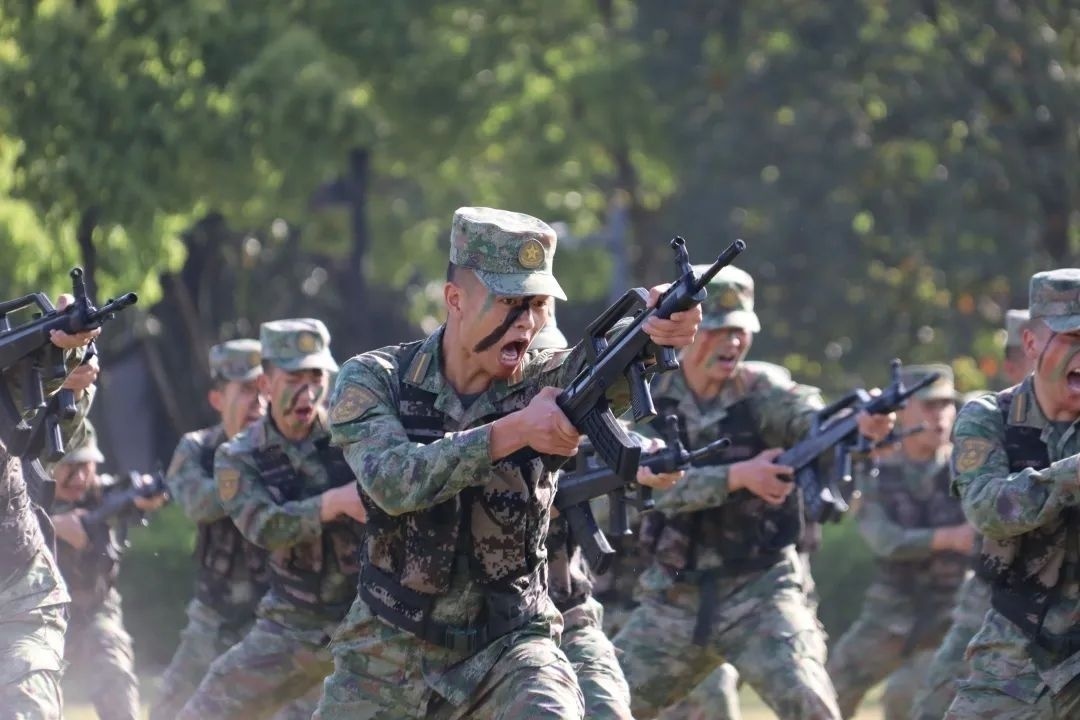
(718, 589)
(97, 643)
(905, 612)
(603, 685)
(949, 665)
(232, 573)
(585, 639)
(1016, 472)
(271, 487)
(33, 597)
(454, 619)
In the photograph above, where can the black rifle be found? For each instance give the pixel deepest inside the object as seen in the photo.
(588, 482)
(835, 427)
(27, 353)
(584, 401)
(118, 509)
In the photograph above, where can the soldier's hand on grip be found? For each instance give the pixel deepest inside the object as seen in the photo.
(545, 427)
(761, 476)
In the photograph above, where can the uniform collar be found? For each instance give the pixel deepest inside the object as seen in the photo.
(1025, 410)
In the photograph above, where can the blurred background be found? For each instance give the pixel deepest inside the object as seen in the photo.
(898, 169)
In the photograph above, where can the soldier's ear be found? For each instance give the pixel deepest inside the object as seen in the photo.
(452, 294)
(216, 398)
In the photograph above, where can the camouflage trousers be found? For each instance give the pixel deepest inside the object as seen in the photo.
(101, 659)
(607, 696)
(880, 644)
(949, 666)
(379, 674)
(270, 673)
(31, 659)
(761, 624)
(1005, 682)
(205, 637)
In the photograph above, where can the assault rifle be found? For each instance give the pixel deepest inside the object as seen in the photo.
(118, 508)
(584, 401)
(28, 356)
(588, 482)
(835, 428)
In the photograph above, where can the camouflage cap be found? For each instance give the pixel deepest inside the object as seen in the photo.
(297, 344)
(730, 302)
(511, 253)
(86, 451)
(551, 337)
(1015, 320)
(238, 360)
(1054, 297)
(943, 388)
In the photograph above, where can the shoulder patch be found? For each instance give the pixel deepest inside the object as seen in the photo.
(354, 401)
(228, 480)
(971, 453)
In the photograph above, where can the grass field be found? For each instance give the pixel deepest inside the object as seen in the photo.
(752, 708)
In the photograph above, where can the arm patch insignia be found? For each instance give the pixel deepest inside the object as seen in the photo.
(353, 402)
(971, 453)
(228, 480)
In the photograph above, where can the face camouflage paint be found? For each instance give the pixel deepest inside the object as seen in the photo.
(511, 317)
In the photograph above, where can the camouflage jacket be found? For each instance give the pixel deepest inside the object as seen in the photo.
(90, 573)
(569, 580)
(898, 522)
(887, 539)
(1004, 506)
(232, 572)
(281, 527)
(782, 409)
(402, 477)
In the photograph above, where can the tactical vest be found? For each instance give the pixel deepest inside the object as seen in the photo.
(20, 535)
(497, 529)
(942, 573)
(1027, 571)
(747, 533)
(219, 551)
(90, 573)
(298, 572)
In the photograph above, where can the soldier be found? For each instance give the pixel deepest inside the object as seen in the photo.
(33, 598)
(231, 574)
(948, 666)
(288, 491)
(606, 694)
(726, 582)
(97, 642)
(1015, 460)
(453, 618)
(923, 546)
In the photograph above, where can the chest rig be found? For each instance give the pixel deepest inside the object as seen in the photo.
(496, 530)
(299, 572)
(224, 557)
(1025, 579)
(943, 572)
(746, 532)
(90, 573)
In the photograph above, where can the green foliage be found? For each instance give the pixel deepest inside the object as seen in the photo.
(842, 569)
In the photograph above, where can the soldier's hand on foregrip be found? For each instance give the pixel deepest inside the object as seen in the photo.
(62, 339)
(661, 481)
(762, 477)
(69, 528)
(544, 426)
(676, 331)
(344, 500)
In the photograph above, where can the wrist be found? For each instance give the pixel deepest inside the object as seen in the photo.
(507, 436)
(735, 477)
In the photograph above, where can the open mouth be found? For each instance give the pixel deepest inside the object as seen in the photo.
(1073, 380)
(511, 353)
(725, 360)
(303, 412)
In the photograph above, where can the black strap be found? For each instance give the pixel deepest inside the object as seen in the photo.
(467, 639)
